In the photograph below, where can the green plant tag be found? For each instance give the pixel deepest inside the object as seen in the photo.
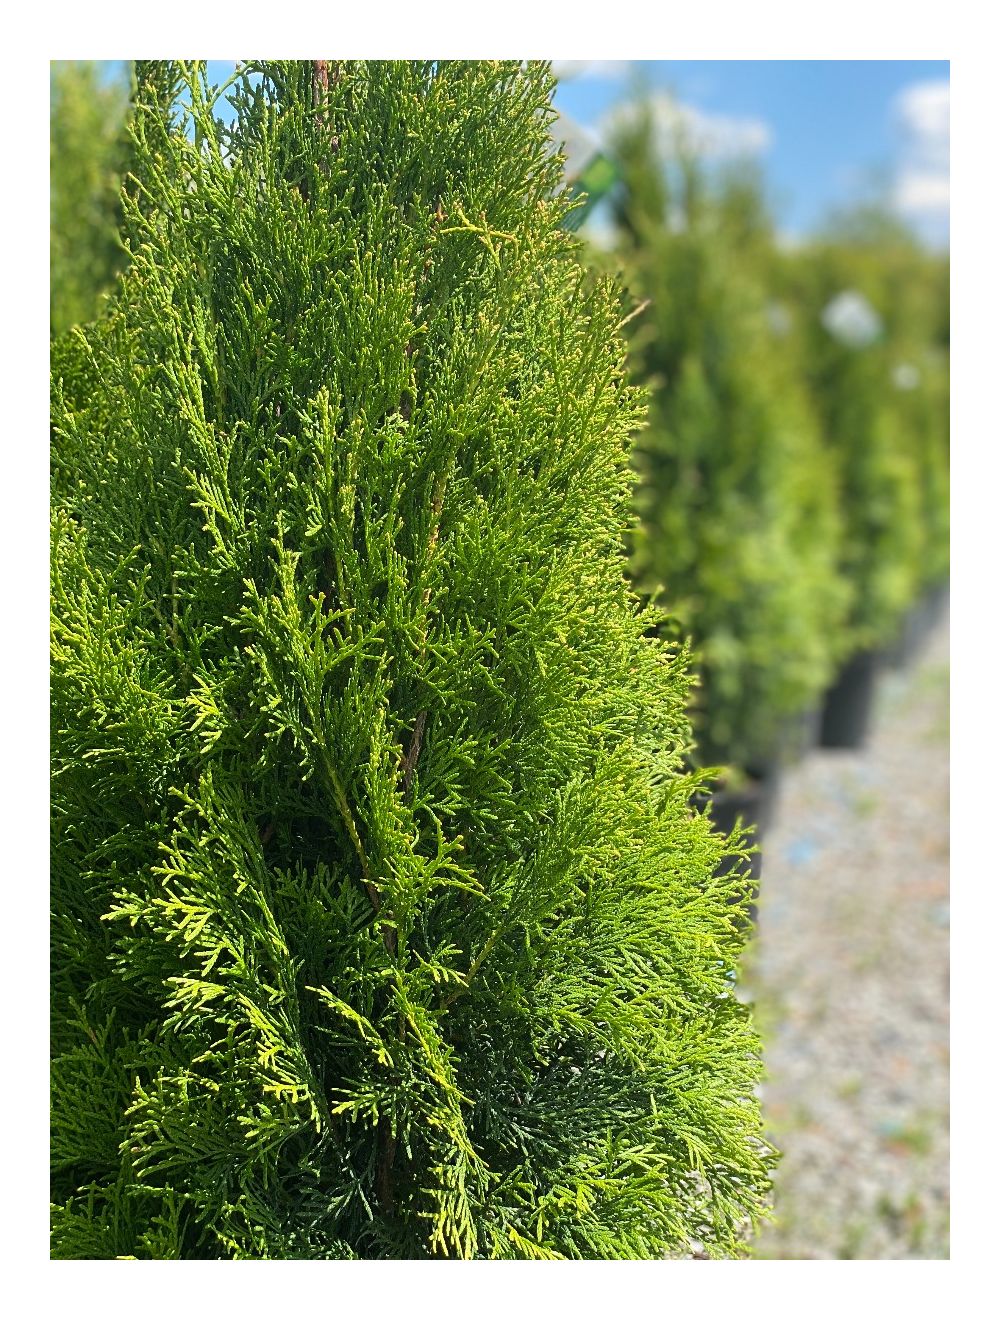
(589, 171)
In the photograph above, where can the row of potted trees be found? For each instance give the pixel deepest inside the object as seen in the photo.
(792, 493)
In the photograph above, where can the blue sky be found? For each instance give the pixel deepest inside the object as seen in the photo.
(826, 132)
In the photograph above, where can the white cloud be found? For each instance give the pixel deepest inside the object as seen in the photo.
(924, 112)
(922, 192)
(921, 189)
(577, 143)
(701, 131)
(568, 69)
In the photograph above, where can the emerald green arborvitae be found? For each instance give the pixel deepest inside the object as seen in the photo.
(911, 286)
(88, 156)
(383, 925)
(739, 526)
(882, 400)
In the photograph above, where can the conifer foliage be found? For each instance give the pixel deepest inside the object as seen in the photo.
(883, 405)
(739, 525)
(383, 924)
(89, 155)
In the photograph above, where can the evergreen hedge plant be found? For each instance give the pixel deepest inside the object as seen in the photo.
(882, 399)
(88, 156)
(739, 528)
(911, 288)
(383, 925)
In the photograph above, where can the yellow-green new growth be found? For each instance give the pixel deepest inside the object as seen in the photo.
(383, 925)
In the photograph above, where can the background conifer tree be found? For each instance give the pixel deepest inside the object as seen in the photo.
(882, 401)
(88, 156)
(739, 527)
(383, 925)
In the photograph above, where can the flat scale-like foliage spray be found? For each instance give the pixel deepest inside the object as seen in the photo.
(383, 925)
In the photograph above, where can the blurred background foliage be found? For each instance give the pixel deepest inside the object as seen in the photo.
(877, 370)
(739, 525)
(88, 108)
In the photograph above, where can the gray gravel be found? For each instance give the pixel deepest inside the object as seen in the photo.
(849, 971)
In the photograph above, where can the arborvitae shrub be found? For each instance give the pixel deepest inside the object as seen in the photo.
(88, 156)
(911, 287)
(383, 924)
(738, 520)
(889, 443)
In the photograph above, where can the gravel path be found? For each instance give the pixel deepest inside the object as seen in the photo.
(849, 971)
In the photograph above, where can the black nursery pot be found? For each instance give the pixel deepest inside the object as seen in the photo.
(847, 711)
